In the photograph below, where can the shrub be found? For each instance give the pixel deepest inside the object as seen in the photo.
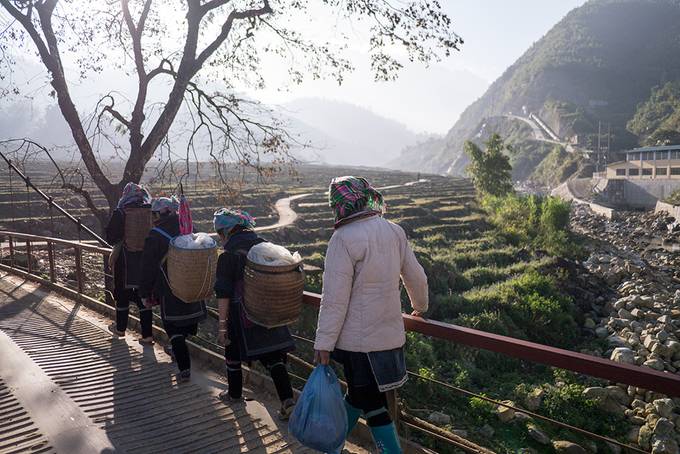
(541, 223)
(567, 404)
(481, 409)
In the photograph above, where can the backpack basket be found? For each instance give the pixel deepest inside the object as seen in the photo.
(191, 272)
(137, 226)
(273, 294)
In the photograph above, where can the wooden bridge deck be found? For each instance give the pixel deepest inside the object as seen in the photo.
(67, 386)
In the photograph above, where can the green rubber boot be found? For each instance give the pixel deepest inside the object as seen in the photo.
(386, 439)
(353, 414)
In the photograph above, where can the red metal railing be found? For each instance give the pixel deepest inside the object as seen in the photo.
(646, 378)
(643, 377)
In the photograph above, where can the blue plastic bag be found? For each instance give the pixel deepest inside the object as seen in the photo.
(319, 420)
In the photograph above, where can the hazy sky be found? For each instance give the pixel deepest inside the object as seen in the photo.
(496, 33)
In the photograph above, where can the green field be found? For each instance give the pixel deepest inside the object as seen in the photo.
(477, 278)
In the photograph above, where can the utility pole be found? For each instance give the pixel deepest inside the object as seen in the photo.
(609, 133)
(599, 149)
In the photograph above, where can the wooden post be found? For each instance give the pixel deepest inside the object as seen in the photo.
(393, 407)
(108, 282)
(79, 268)
(29, 265)
(50, 256)
(11, 252)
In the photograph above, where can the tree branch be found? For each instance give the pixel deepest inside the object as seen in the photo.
(226, 28)
(137, 119)
(49, 54)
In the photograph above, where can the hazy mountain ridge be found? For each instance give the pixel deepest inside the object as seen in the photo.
(599, 62)
(344, 133)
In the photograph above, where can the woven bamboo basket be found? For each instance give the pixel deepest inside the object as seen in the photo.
(137, 226)
(191, 272)
(273, 294)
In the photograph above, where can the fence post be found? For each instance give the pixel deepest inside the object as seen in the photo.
(29, 265)
(11, 251)
(79, 268)
(108, 282)
(50, 255)
(393, 406)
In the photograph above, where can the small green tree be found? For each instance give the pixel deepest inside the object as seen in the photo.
(490, 169)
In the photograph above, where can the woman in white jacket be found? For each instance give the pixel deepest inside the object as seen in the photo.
(360, 320)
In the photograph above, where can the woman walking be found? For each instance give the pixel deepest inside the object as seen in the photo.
(126, 264)
(246, 340)
(360, 319)
(180, 319)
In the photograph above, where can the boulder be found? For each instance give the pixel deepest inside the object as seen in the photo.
(625, 314)
(618, 394)
(637, 313)
(648, 342)
(663, 427)
(534, 399)
(623, 355)
(616, 341)
(644, 436)
(655, 363)
(439, 418)
(601, 332)
(595, 392)
(538, 435)
(567, 447)
(665, 446)
(506, 414)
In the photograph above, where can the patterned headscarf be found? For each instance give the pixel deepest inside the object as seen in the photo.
(351, 195)
(134, 194)
(165, 205)
(226, 219)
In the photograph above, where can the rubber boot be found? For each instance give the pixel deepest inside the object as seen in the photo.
(386, 439)
(353, 414)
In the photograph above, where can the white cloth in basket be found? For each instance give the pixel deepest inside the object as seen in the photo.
(194, 241)
(270, 254)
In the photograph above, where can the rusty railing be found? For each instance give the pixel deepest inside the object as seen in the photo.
(642, 377)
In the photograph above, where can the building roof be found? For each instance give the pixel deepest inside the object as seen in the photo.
(658, 148)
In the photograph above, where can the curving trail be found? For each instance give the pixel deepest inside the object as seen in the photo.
(286, 214)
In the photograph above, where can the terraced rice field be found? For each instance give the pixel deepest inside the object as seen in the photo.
(465, 258)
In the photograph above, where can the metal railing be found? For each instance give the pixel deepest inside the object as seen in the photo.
(13, 244)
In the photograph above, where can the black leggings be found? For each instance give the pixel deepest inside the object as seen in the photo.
(178, 335)
(275, 363)
(362, 389)
(123, 299)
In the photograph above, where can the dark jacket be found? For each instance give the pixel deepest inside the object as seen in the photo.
(248, 341)
(154, 281)
(232, 263)
(127, 268)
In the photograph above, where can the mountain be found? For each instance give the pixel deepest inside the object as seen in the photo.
(343, 133)
(597, 64)
(657, 120)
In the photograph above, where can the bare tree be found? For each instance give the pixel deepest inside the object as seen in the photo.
(181, 50)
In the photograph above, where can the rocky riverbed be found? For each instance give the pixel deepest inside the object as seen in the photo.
(638, 257)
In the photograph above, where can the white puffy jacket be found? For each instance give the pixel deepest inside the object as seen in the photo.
(360, 304)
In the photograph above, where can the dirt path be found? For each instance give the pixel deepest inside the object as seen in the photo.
(286, 214)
